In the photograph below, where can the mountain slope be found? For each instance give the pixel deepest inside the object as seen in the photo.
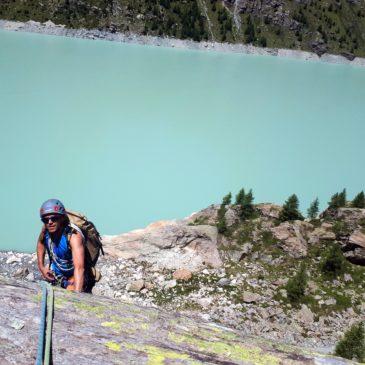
(332, 26)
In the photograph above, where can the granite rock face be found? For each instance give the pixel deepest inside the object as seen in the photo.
(168, 244)
(92, 330)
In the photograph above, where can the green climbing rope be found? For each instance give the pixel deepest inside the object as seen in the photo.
(50, 301)
(44, 349)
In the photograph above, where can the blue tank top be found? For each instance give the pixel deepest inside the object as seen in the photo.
(60, 254)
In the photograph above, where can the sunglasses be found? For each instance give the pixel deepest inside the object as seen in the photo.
(52, 218)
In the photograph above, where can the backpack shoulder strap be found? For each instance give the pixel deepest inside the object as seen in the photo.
(48, 244)
(71, 229)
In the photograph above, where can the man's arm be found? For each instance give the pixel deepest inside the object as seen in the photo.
(78, 256)
(41, 251)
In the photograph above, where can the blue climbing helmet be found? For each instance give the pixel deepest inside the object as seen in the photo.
(52, 206)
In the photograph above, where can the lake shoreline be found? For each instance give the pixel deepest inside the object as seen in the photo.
(49, 28)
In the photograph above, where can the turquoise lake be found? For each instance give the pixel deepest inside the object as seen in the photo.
(132, 134)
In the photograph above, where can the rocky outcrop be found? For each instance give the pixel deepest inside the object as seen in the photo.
(355, 247)
(292, 237)
(268, 210)
(91, 330)
(210, 215)
(351, 216)
(168, 244)
(322, 233)
(351, 235)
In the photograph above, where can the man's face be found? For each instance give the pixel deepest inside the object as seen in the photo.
(53, 222)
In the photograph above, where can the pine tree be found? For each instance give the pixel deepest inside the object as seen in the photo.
(247, 206)
(227, 199)
(338, 200)
(313, 210)
(342, 198)
(290, 210)
(359, 201)
(352, 346)
(240, 197)
(222, 225)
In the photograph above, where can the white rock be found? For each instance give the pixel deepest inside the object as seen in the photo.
(13, 260)
(249, 297)
(30, 277)
(17, 324)
(331, 301)
(170, 284)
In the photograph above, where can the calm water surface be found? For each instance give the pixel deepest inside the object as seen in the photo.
(133, 134)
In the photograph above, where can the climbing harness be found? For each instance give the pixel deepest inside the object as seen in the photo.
(45, 328)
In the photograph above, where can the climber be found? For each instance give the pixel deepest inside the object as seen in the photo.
(64, 243)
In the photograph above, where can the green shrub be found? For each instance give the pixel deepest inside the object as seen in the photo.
(333, 262)
(296, 285)
(352, 345)
(340, 228)
(290, 210)
(359, 201)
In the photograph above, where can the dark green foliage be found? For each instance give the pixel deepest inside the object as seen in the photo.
(296, 285)
(352, 345)
(227, 199)
(313, 210)
(247, 208)
(340, 228)
(240, 197)
(250, 30)
(222, 225)
(263, 42)
(338, 200)
(359, 201)
(290, 210)
(246, 203)
(333, 262)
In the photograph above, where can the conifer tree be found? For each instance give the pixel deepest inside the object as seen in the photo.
(290, 210)
(338, 200)
(227, 199)
(245, 201)
(313, 210)
(222, 225)
(359, 201)
(240, 197)
(247, 206)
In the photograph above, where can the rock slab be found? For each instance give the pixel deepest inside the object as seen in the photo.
(92, 330)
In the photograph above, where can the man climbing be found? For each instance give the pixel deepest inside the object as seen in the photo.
(64, 243)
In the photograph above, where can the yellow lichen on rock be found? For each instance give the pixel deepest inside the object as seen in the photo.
(113, 346)
(114, 325)
(233, 351)
(97, 309)
(157, 355)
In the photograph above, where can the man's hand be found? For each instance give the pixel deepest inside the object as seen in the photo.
(47, 274)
